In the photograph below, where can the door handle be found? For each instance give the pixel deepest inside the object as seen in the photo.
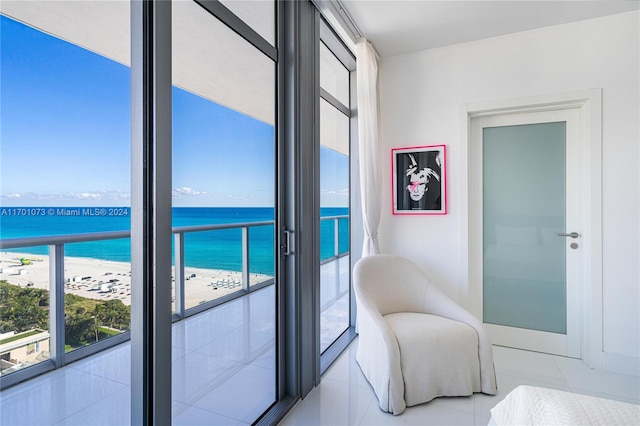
(287, 247)
(572, 235)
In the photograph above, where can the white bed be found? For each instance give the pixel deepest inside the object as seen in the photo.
(529, 405)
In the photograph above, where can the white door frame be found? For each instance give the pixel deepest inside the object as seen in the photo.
(589, 103)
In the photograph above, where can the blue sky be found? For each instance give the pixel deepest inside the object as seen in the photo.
(65, 135)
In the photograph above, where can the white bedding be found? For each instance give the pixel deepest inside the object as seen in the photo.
(529, 405)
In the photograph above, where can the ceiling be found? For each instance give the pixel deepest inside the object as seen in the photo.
(398, 27)
(209, 59)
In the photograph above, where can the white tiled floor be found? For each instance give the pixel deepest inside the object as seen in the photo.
(223, 367)
(344, 396)
(223, 373)
(334, 300)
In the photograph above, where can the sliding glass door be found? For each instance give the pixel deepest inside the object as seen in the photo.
(173, 181)
(336, 69)
(223, 199)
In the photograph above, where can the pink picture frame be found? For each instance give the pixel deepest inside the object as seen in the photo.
(419, 180)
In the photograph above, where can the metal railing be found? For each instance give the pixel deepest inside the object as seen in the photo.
(56, 245)
(179, 252)
(336, 237)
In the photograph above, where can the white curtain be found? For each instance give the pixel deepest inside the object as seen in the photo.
(367, 73)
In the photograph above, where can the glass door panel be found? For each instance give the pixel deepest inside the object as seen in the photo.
(334, 77)
(223, 217)
(65, 170)
(259, 14)
(334, 199)
(524, 259)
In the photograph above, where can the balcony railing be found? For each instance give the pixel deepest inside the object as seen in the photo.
(56, 247)
(336, 235)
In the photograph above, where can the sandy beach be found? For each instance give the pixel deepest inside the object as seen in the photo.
(106, 280)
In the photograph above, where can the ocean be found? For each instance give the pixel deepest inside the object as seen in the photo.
(212, 249)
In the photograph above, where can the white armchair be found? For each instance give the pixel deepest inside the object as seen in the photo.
(415, 343)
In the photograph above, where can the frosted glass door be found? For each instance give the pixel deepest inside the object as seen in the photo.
(524, 205)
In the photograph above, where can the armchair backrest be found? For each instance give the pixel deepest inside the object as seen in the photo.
(392, 283)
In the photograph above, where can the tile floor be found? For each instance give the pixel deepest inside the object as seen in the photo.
(344, 397)
(223, 373)
(223, 368)
(334, 300)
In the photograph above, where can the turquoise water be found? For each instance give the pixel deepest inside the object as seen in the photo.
(212, 249)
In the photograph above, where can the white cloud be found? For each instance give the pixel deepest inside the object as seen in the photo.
(185, 190)
(87, 195)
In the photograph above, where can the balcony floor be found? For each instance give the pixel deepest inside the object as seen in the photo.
(223, 368)
(223, 371)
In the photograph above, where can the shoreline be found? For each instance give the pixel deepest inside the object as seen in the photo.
(107, 280)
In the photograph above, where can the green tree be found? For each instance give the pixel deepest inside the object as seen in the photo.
(79, 329)
(114, 314)
(23, 309)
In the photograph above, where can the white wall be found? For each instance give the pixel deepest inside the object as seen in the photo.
(421, 95)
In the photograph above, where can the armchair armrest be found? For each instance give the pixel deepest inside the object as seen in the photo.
(379, 355)
(437, 303)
